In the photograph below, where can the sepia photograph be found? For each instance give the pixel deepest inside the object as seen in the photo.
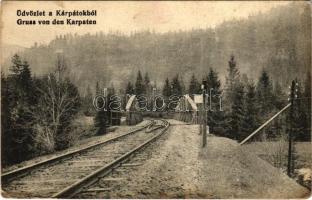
(155, 99)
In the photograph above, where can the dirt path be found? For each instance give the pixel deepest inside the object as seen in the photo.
(179, 168)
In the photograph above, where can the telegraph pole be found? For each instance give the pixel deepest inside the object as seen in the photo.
(154, 102)
(204, 117)
(292, 97)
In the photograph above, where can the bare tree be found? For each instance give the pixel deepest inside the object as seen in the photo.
(58, 103)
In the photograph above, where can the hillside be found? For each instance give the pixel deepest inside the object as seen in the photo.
(9, 51)
(276, 40)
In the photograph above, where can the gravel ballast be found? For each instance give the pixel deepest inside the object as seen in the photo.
(178, 167)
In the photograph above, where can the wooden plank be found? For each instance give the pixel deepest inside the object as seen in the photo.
(37, 190)
(112, 179)
(47, 181)
(140, 159)
(93, 156)
(120, 170)
(98, 190)
(80, 171)
(85, 161)
(131, 164)
(89, 165)
(109, 153)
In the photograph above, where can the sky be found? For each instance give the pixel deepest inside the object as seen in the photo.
(124, 16)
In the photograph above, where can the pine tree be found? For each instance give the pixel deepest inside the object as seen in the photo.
(194, 87)
(176, 86)
(17, 64)
(233, 101)
(87, 100)
(250, 120)
(265, 94)
(265, 101)
(6, 135)
(147, 83)
(148, 91)
(300, 116)
(26, 80)
(279, 97)
(139, 84)
(140, 88)
(279, 101)
(97, 89)
(167, 92)
(232, 79)
(245, 80)
(215, 117)
(236, 114)
(183, 87)
(129, 89)
(213, 81)
(307, 105)
(21, 104)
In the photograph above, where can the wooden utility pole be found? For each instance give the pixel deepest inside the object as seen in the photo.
(292, 97)
(204, 117)
(154, 102)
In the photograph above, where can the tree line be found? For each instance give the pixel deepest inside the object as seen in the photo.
(36, 111)
(246, 103)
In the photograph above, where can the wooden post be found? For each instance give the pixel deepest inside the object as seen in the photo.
(204, 119)
(112, 117)
(200, 122)
(289, 152)
(291, 121)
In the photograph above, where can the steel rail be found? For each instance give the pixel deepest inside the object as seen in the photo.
(11, 175)
(153, 127)
(78, 186)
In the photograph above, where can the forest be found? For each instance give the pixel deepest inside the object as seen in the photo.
(272, 41)
(38, 112)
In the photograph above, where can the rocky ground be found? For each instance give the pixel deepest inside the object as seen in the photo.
(177, 166)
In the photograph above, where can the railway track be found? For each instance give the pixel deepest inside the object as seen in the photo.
(118, 184)
(66, 175)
